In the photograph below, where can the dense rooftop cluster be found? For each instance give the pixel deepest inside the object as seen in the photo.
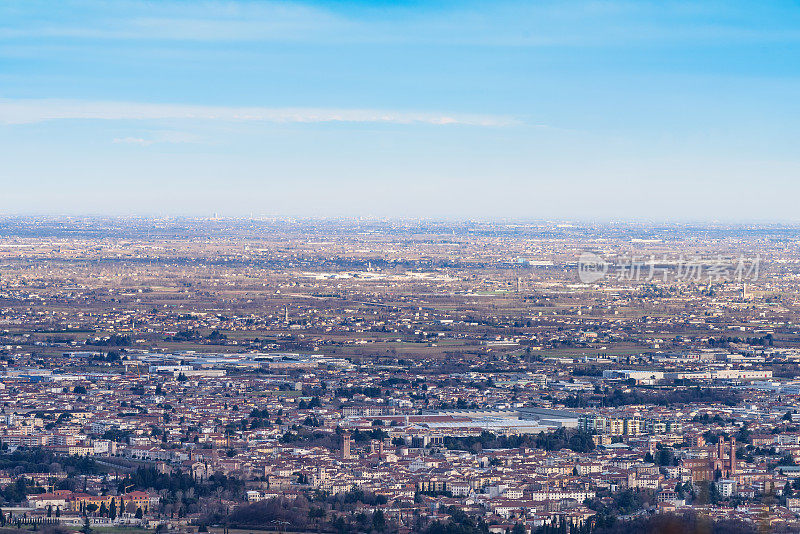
(395, 377)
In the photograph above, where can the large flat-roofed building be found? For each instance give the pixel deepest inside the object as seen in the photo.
(635, 374)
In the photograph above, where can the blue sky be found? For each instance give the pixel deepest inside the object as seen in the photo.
(568, 110)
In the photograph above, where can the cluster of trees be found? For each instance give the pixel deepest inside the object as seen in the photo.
(562, 438)
(663, 456)
(184, 335)
(38, 460)
(461, 523)
(257, 419)
(685, 524)
(561, 527)
(395, 381)
(791, 490)
(147, 477)
(610, 505)
(217, 337)
(323, 513)
(17, 492)
(312, 422)
(255, 413)
(460, 404)
(180, 492)
(706, 419)
(662, 398)
(591, 370)
(368, 435)
(302, 436)
(313, 403)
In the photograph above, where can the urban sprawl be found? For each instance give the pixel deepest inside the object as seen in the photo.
(398, 376)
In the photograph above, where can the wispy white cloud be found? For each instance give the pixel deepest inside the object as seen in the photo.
(169, 20)
(133, 141)
(35, 111)
(162, 137)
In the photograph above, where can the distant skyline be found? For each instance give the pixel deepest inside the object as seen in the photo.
(570, 110)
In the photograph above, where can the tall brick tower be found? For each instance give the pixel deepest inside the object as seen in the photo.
(346, 439)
